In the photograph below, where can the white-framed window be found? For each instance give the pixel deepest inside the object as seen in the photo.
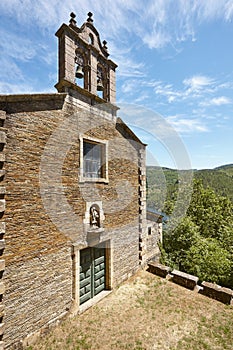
(93, 159)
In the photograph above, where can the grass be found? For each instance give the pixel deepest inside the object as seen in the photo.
(146, 313)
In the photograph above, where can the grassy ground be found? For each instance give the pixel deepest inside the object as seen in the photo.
(146, 312)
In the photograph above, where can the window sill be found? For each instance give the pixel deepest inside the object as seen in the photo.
(93, 180)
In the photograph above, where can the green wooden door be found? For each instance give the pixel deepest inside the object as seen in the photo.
(92, 272)
(99, 270)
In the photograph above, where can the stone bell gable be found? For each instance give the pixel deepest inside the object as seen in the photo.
(83, 56)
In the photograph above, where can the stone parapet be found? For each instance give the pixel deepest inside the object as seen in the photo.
(158, 269)
(211, 290)
(217, 292)
(184, 279)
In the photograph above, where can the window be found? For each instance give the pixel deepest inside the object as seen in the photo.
(93, 160)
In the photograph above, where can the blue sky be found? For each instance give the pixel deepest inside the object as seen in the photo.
(175, 58)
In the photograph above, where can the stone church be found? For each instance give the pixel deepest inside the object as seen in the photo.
(73, 192)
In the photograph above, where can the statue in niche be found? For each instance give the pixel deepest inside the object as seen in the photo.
(94, 216)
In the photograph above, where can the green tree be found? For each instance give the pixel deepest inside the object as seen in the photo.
(210, 212)
(178, 241)
(202, 243)
(210, 262)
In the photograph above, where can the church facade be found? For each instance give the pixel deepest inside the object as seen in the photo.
(73, 192)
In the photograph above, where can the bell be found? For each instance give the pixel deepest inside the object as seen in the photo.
(79, 72)
(100, 85)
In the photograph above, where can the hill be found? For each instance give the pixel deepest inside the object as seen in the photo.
(162, 183)
(228, 169)
(220, 180)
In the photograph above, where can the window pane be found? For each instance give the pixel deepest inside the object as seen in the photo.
(92, 157)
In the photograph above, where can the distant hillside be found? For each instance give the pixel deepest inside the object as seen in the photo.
(162, 183)
(219, 180)
(228, 169)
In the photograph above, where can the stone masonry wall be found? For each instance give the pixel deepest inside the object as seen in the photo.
(38, 257)
(46, 205)
(2, 223)
(125, 252)
(37, 291)
(153, 240)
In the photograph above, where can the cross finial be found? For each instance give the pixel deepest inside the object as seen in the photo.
(72, 18)
(89, 19)
(105, 45)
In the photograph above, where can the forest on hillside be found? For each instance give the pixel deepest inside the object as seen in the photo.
(163, 183)
(201, 242)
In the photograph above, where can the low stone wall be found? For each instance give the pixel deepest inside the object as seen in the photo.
(184, 279)
(217, 292)
(212, 290)
(158, 269)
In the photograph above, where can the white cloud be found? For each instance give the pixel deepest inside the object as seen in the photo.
(16, 46)
(128, 67)
(218, 101)
(157, 39)
(9, 69)
(128, 86)
(22, 88)
(184, 126)
(156, 23)
(167, 91)
(197, 83)
(213, 9)
(229, 10)
(193, 87)
(198, 92)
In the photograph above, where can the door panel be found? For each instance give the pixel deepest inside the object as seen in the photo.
(99, 268)
(85, 275)
(92, 272)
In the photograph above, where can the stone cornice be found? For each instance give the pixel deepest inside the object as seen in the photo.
(33, 97)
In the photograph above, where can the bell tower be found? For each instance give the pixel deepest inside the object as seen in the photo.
(84, 65)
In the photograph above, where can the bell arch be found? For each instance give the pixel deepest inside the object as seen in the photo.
(82, 56)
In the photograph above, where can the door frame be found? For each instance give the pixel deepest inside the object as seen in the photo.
(76, 271)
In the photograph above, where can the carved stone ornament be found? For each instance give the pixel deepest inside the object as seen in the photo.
(94, 216)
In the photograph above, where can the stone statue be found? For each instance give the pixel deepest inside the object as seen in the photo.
(94, 217)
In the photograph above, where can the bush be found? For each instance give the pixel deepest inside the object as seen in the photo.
(210, 262)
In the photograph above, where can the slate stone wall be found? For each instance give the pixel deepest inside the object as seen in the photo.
(2, 222)
(46, 204)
